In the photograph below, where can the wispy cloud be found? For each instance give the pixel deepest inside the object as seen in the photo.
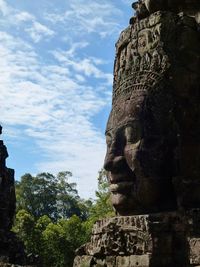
(4, 8)
(86, 16)
(86, 66)
(55, 106)
(51, 91)
(23, 17)
(128, 2)
(38, 31)
(25, 22)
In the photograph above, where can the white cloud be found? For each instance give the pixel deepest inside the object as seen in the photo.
(80, 78)
(37, 31)
(76, 46)
(25, 22)
(51, 91)
(23, 17)
(128, 2)
(87, 16)
(4, 8)
(54, 104)
(87, 66)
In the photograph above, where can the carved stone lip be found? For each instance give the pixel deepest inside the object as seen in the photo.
(126, 176)
(117, 187)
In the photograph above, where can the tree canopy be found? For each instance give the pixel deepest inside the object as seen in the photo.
(52, 220)
(46, 194)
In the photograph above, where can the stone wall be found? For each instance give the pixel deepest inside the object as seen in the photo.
(157, 240)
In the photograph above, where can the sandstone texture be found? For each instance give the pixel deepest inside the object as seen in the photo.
(157, 240)
(153, 143)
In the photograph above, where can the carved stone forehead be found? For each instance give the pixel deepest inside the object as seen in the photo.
(124, 112)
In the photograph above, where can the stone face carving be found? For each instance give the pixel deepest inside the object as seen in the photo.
(153, 129)
(153, 143)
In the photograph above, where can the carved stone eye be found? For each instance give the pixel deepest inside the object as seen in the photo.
(132, 133)
(129, 134)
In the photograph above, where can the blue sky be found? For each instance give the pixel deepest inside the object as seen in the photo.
(56, 64)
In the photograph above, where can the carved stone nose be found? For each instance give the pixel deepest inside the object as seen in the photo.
(115, 164)
(108, 162)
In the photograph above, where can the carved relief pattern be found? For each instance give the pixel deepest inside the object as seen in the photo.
(124, 234)
(140, 58)
(143, 240)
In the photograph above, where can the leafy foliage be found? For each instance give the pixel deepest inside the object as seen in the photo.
(24, 227)
(102, 207)
(52, 220)
(47, 194)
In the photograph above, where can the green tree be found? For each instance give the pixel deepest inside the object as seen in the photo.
(102, 207)
(40, 226)
(85, 207)
(60, 240)
(46, 194)
(54, 242)
(37, 194)
(75, 231)
(25, 229)
(25, 193)
(52, 220)
(67, 196)
(55, 246)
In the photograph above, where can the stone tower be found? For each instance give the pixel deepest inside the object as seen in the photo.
(153, 143)
(11, 250)
(7, 191)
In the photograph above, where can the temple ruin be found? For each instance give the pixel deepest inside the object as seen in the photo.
(153, 143)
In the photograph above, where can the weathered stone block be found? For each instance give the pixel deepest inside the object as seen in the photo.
(122, 261)
(111, 261)
(82, 261)
(139, 261)
(100, 262)
(194, 246)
